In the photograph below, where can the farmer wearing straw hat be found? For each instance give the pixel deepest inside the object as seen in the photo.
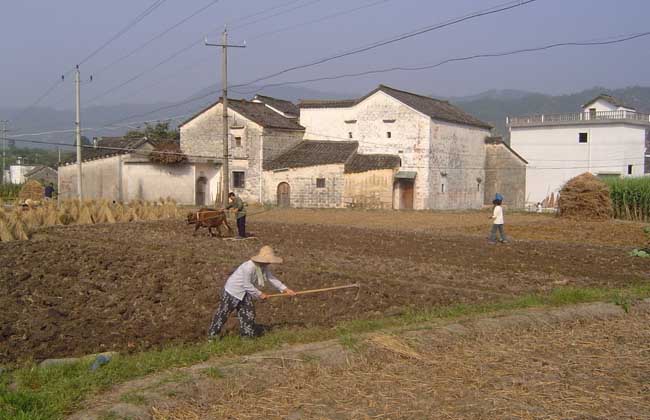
(240, 290)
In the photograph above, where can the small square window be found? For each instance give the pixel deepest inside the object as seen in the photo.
(388, 134)
(582, 138)
(237, 141)
(350, 134)
(320, 182)
(629, 169)
(239, 179)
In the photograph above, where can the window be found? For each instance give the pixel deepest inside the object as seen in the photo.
(582, 137)
(238, 179)
(388, 134)
(320, 182)
(237, 141)
(629, 169)
(350, 134)
(442, 187)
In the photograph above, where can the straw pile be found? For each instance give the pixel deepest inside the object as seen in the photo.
(585, 197)
(32, 190)
(19, 223)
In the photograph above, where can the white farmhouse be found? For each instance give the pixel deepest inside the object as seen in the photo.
(606, 138)
(441, 148)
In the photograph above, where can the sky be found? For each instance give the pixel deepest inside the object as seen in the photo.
(42, 39)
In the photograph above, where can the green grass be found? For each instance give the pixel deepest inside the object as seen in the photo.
(50, 393)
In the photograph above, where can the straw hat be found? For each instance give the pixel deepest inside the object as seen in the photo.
(266, 256)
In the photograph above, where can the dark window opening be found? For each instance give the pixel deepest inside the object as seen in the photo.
(582, 137)
(237, 141)
(239, 179)
(629, 169)
(442, 187)
(388, 134)
(350, 134)
(320, 182)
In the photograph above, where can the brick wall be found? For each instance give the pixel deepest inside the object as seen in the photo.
(303, 189)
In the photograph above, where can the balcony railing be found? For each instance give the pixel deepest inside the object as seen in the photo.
(586, 116)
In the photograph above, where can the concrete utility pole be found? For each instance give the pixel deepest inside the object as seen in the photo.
(3, 130)
(225, 178)
(77, 85)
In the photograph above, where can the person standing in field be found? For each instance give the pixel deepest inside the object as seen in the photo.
(239, 292)
(497, 223)
(240, 207)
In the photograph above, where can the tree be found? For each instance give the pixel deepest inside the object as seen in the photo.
(158, 132)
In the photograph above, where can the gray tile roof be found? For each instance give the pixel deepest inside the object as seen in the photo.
(612, 100)
(434, 108)
(256, 112)
(281, 105)
(364, 163)
(314, 153)
(109, 146)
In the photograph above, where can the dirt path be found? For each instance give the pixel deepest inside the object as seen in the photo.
(578, 362)
(86, 289)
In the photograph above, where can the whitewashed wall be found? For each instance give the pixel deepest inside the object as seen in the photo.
(554, 154)
(302, 182)
(149, 182)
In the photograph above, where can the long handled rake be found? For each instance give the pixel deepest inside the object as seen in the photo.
(326, 289)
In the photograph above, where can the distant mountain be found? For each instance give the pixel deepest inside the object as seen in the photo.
(495, 106)
(123, 116)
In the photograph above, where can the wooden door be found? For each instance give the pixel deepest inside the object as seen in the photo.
(201, 187)
(284, 195)
(406, 188)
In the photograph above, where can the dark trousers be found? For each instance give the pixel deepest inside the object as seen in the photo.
(493, 233)
(245, 312)
(241, 226)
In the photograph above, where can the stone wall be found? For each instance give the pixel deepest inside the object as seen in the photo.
(457, 166)
(303, 189)
(369, 190)
(505, 173)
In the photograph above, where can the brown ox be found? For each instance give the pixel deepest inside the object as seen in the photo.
(210, 218)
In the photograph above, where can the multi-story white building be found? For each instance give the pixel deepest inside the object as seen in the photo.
(606, 138)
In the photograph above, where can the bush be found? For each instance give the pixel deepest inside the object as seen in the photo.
(9, 192)
(630, 198)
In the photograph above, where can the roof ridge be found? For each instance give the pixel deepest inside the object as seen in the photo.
(381, 85)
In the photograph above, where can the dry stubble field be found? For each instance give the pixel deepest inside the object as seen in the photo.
(82, 289)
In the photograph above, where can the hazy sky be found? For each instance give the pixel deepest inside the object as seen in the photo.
(41, 39)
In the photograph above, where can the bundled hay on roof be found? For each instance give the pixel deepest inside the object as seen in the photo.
(585, 197)
(32, 190)
(167, 152)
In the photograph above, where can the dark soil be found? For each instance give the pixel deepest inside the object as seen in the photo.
(82, 289)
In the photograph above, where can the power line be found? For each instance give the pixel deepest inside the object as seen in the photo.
(318, 20)
(624, 38)
(276, 14)
(156, 37)
(156, 4)
(485, 12)
(176, 54)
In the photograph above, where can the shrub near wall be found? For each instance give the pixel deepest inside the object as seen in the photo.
(9, 192)
(630, 198)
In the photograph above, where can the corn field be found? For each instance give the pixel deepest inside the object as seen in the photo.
(630, 198)
(20, 222)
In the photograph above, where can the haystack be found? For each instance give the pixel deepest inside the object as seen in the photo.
(32, 190)
(585, 197)
(85, 217)
(105, 214)
(6, 235)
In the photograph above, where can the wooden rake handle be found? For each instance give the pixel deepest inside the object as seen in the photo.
(326, 289)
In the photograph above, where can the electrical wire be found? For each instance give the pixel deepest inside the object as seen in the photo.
(156, 4)
(405, 167)
(495, 9)
(156, 37)
(621, 39)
